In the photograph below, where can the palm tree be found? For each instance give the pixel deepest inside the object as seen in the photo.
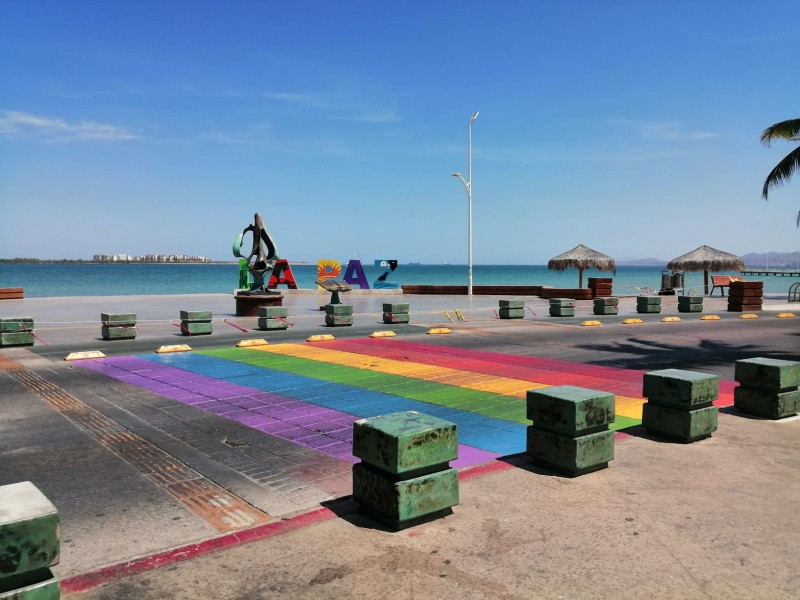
(783, 171)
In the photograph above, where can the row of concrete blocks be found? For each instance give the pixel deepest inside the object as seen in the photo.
(29, 544)
(405, 478)
(341, 315)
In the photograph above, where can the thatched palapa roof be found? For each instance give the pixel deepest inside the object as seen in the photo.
(581, 257)
(706, 258)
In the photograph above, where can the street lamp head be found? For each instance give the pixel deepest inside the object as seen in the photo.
(473, 117)
(456, 174)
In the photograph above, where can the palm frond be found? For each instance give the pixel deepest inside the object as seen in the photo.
(782, 172)
(788, 130)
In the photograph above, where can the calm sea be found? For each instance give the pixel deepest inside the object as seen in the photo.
(49, 280)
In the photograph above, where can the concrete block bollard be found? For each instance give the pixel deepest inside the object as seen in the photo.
(570, 429)
(404, 477)
(690, 304)
(16, 331)
(395, 313)
(679, 404)
(562, 307)
(609, 305)
(338, 315)
(118, 326)
(768, 387)
(196, 322)
(512, 309)
(648, 304)
(272, 317)
(29, 543)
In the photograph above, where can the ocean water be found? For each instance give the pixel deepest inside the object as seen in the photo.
(53, 280)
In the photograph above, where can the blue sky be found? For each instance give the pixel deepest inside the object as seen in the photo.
(629, 126)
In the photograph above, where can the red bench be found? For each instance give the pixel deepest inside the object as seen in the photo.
(721, 282)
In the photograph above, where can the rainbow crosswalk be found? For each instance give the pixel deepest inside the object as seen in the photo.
(310, 394)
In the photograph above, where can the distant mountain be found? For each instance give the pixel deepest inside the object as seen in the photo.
(641, 262)
(771, 259)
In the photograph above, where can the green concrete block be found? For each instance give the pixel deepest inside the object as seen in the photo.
(338, 320)
(118, 318)
(395, 308)
(690, 308)
(606, 301)
(570, 410)
(680, 389)
(573, 456)
(555, 311)
(15, 324)
(769, 404)
(404, 442)
(512, 303)
(390, 318)
(681, 425)
(118, 333)
(644, 309)
(690, 300)
(767, 373)
(29, 530)
(600, 309)
(23, 338)
(272, 324)
(562, 302)
(40, 584)
(196, 316)
(196, 328)
(272, 312)
(648, 300)
(406, 502)
(338, 309)
(506, 312)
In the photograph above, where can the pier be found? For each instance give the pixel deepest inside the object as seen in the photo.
(771, 272)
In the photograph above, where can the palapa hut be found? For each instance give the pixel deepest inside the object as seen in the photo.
(706, 259)
(581, 257)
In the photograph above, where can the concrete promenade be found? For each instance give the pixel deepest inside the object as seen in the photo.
(160, 499)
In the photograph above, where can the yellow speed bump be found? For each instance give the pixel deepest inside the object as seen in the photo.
(590, 323)
(438, 330)
(324, 337)
(380, 334)
(709, 318)
(255, 342)
(670, 319)
(748, 316)
(786, 315)
(173, 348)
(632, 321)
(84, 355)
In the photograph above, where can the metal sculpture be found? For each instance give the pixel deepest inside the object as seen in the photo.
(259, 262)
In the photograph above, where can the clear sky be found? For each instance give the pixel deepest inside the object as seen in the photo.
(162, 126)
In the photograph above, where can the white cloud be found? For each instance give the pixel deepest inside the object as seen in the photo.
(671, 131)
(14, 123)
(300, 99)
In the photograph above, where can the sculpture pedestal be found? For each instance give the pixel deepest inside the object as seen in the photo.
(247, 304)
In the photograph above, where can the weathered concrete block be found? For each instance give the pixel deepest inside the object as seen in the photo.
(338, 320)
(764, 403)
(606, 301)
(395, 308)
(690, 308)
(644, 309)
(690, 300)
(126, 332)
(118, 318)
(681, 425)
(29, 530)
(196, 327)
(570, 410)
(272, 312)
(767, 373)
(22, 338)
(338, 309)
(573, 456)
(606, 309)
(196, 316)
(648, 300)
(507, 312)
(16, 324)
(680, 389)
(405, 442)
(390, 318)
(562, 302)
(556, 311)
(272, 324)
(402, 503)
(512, 303)
(33, 585)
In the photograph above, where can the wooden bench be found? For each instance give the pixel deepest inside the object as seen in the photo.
(12, 293)
(721, 282)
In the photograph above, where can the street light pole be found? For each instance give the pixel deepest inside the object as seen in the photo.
(468, 187)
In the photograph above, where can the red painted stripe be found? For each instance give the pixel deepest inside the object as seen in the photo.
(486, 469)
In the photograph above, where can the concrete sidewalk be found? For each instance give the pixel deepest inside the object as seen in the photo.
(712, 519)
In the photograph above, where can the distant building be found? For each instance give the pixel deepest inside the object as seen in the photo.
(149, 258)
